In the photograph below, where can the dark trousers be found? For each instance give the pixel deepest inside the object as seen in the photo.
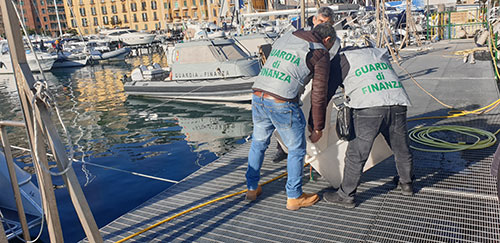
(368, 123)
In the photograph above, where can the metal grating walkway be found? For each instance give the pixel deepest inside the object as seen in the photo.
(456, 199)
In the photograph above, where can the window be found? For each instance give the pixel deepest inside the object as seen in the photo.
(113, 9)
(186, 14)
(124, 8)
(125, 19)
(166, 16)
(41, 2)
(105, 19)
(73, 23)
(93, 11)
(176, 5)
(185, 3)
(176, 14)
(203, 14)
(102, 1)
(133, 7)
(153, 5)
(43, 10)
(81, 2)
(46, 27)
(194, 2)
(104, 10)
(44, 18)
(201, 2)
(84, 22)
(86, 31)
(91, 1)
(195, 14)
(143, 4)
(215, 12)
(156, 27)
(96, 21)
(82, 11)
(154, 16)
(114, 20)
(135, 19)
(136, 27)
(145, 17)
(145, 27)
(165, 5)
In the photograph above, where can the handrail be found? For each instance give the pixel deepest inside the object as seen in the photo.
(13, 177)
(12, 124)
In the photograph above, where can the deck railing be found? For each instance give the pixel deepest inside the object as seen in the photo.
(446, 25)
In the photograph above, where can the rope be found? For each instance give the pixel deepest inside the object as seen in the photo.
(422, 135)
(202, 205)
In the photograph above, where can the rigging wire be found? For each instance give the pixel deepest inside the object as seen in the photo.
(109, 167)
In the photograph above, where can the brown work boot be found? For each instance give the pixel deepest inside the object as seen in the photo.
(253, 194)
(305, 200)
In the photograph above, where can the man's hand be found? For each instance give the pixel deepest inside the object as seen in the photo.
(315, 135)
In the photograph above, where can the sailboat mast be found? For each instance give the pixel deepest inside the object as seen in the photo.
(302, 13)
(58, 19)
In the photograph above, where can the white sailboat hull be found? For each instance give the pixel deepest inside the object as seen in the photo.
(46, 63)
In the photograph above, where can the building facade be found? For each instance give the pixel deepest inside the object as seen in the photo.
(89, 16)
(47, 12)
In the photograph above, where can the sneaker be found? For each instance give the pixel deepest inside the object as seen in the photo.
(335, 198)
(279, 156)
(406, 189)
(305, 200)
(253, 194)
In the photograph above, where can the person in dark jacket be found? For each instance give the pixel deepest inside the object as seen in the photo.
(275, 106)
(324, 15)
(379, 104)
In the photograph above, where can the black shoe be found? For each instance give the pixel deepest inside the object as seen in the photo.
(279, 156)
(335, 198)
(406, 189)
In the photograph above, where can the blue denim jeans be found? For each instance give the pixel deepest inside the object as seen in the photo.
(287, 118)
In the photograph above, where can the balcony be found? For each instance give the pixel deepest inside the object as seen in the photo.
(194, 7)
(185, 8)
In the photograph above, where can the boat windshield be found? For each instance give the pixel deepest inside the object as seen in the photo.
(195, 54)
(230, 52)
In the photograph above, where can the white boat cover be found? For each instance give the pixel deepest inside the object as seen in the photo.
(327, 155)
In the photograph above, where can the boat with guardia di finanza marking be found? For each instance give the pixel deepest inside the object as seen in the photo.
(216, 70)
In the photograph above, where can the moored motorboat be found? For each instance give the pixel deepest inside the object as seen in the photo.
(201, 70)
(68, 59)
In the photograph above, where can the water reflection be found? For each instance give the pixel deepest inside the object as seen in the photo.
(166, 139)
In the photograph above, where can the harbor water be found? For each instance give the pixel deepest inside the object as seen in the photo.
(158, 138)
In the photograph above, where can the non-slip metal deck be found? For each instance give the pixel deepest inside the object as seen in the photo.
(455, 201)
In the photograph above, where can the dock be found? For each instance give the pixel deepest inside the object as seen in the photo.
(455, 200)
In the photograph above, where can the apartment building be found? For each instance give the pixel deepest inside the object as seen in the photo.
(47, 19)
(89, 16)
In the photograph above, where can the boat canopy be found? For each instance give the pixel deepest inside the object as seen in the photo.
(208, 51)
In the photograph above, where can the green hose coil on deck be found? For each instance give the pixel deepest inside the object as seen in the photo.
(423, 135)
